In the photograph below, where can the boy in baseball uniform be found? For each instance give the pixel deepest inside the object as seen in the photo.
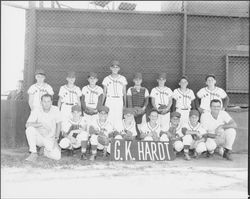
(220, 128)
(43, 129)
(69, 95)
(74, 132)
(183, 100)
(101, 130)
(37, 90)
(138, 99)
(114, 93)
(92, 95)
(161, 98)
(194, 133)
(206, 94)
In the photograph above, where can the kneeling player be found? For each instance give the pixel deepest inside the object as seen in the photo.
(74, 132)
(194, 133)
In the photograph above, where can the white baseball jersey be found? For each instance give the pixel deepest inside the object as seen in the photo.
(114, 85)
(38, 91)
(74, 125)
(106, 128)
(69, 95)
(147, 128)
(210, 124)
(198, 128)
(91, 95)
(50, 118)
(206, 96)
(161, 95)
(183, 99)
(130, 128)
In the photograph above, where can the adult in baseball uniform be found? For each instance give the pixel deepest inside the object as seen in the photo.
(161, 98)
(37, 90)
(92, 95)
(75, 132)
(206, 94)
(114, 93)
(194, 135)
(183, 100)
(69, 95)
(100, 131)
(138, 99)
(220, 129)
(43, 129)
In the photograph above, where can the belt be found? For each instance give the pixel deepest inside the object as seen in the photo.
(185, 109)
(114, 96)
(69, 104)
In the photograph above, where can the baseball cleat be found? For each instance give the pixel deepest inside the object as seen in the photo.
(186, 156)
(83, 156)
(41, 151)
(32, 157)
(227, 155)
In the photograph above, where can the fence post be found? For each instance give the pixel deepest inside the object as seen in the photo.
(184, 38)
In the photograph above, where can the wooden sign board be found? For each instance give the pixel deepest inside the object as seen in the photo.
(122, 150)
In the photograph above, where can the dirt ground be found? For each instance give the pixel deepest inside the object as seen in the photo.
(72, 178)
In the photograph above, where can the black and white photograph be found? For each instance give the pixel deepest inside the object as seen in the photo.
(124, 99)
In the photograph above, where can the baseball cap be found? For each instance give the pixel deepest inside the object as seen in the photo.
(175, 114)
(183, 77)
(194, 112)
(128, 111)
(71, 74)
(162, 76)
(92, 74)
(76, 108)
(210, 75)
(138, 76)
(103, 108)
(115, 63)
(40, 72)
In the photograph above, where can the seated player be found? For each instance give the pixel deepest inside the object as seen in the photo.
(101, 131)
(74, 132)
(195, 135)
(220, 128)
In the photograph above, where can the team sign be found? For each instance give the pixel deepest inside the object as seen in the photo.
(122, 150)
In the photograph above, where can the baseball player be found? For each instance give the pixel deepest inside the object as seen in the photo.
(183, 100)
(128, 132)
(91, 98)
(69, 95)
(161, 98)
(37, 90)
(101, 131)
(151, 130)
(194, 133)
(206, 94)
(43, 129)
(115, 94)
(138, 99)
(220, 129)
(75, 132)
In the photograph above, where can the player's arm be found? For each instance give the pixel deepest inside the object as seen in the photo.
(59, 103)
(100, 100)
(31, 99)
(197, 104)
(145, 103)
(83, 103)
(104, 94)
(58, 130)
(129, 98)
(225, 102)
(193, 106)
(170, 102)
(230, 124)
(153, 103)
(124, 95)
(78, 100)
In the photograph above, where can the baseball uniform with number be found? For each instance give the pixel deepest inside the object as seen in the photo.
(38, 91)
(225, 138)
(69, 98)
(91, 96)
(161, 96)
(207, 96)
(114, 98)
(183, 103)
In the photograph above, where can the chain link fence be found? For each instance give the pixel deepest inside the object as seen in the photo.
(60, 40)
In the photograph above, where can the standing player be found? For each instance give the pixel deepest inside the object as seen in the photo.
(91, 98)
(138, 99)
(183, 100)
(115, 94)
(206, 94)
(161, 97)
(74, 132)
(69, 95)
(37, 90)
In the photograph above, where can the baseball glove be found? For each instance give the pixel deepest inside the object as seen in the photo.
(138, 110)
(103, 140)
(128, 135)
(162, 108)
(155, 136)
(93, 131)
